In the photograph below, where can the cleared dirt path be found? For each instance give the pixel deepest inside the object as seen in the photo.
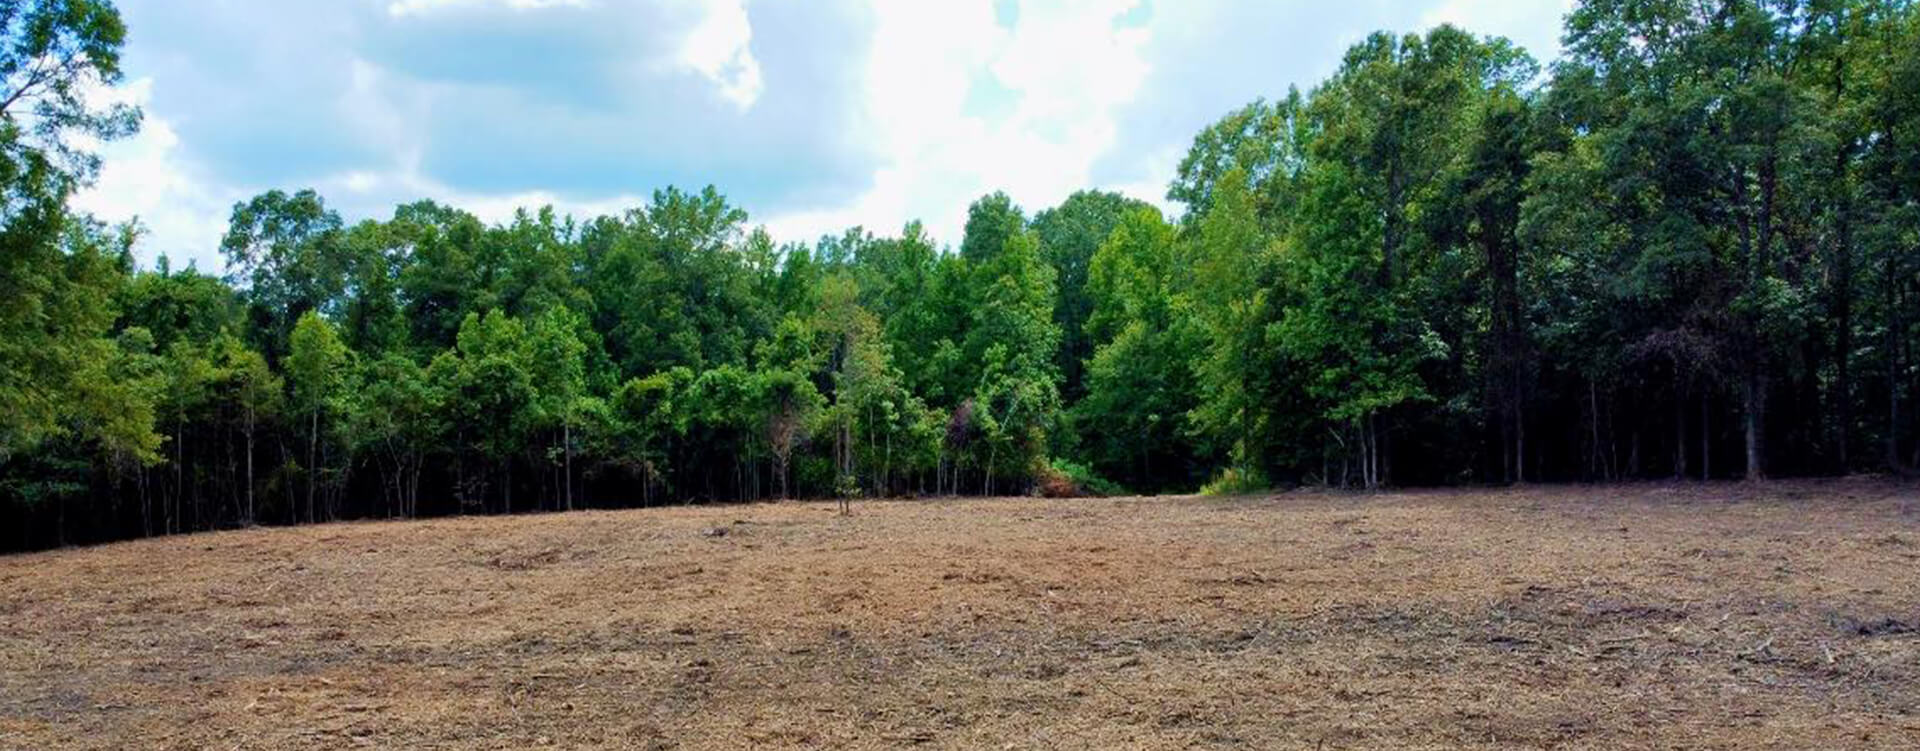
(1642, 616)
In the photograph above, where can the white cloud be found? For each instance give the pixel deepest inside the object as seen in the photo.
(1059, 80)
(717, 48)
(399, 8)
(1065, 65)
(148, 177)
(1072, 72)
(145, 177)
(714, 38)
(1160, 166)
(377, 193)
(1533, 24)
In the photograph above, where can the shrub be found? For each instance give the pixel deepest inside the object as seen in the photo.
(1066, 479)
(1234, 481)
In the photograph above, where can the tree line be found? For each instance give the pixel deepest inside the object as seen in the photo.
(1690, 248)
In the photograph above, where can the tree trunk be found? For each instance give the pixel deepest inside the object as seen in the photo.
(1843, 279)
(250, 505)
(993, 455)
(1751, 398)
(1679, 430)
(1754, 396)
(1896, 367)
(1391, 221)
(1594, 462)
(1519, 444)
(313, 467)
(1706, 434)
(146, 504)
(1383, 450)
(1843, 327)
(179, 478)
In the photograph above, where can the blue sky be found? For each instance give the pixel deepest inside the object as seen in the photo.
(813, 115)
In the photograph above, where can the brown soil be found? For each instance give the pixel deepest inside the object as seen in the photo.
(1643, 616)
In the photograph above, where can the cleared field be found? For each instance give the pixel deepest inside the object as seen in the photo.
(1643, 616)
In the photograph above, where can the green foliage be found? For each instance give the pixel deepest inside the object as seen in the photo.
(1088, 481)
(1265, 142)
(58, 273)
(1133, 421)
(56, 359)
(645, 418)
(289, 252)
(1069, 235)
(1013, 337)
(1235, 481)
(51, 52)
(992, 222)
(317, 365)
(1230, 299)
(1687, 250)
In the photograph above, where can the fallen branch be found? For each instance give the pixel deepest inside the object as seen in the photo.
(1116, 692)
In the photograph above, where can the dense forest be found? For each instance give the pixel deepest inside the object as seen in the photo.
(1690, 248)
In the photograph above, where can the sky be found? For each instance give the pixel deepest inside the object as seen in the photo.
(812, 115)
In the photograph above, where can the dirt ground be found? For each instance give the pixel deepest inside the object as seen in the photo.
(1640, 616)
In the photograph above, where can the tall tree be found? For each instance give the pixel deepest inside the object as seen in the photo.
(256, 393)
(559, 389)
(1232, 266)
(287, 250)
(991, 222)
(318, 367)
(1069, 234)
(1140, 380)
(57, 276)
(1266, 142)
(1491, 188)
(1013, 337)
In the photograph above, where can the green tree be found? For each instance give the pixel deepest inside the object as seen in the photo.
(373, 319)
(1140, 381)
(930, 312)
(174, 305)
(288, 252)
(1013, 338)
(1231, 262)
(1266, 142)
(318, 369)
(489, 385)
(57, 275)
(1371, 282)
(870, 410)
(447, 272)
(1069, 234)
(247, 383)
(992, 221)
(189, 377)
(398, 419)
(791, 404)
(646, 418)
(560, 398)
(1491, 187)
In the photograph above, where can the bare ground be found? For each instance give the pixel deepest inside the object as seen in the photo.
(1643, 616)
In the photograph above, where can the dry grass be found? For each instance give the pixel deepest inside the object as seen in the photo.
(1644, 616)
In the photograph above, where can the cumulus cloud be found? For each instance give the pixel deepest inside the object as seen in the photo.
(146, 178)
(416, 7)
(1062, 70)
(1533, 24)
(717, 48)
(813, 116)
